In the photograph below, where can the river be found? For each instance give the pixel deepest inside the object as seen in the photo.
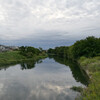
(47, 79)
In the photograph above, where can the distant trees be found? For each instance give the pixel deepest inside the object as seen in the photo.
(88, 47)
(59, 51)
(29, 51)
(51, 51)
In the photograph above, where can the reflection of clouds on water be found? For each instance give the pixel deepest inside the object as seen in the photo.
(58, 89)
(44, 91)
(1, 89)
(14, 91)
(50, 92)
(52, 82)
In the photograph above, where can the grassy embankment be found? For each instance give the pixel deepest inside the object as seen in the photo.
(12, 57)
(92, 66)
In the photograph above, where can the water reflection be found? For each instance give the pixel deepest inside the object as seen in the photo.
(79, 74)
(28, 65)
(24, 65)
(46, 80)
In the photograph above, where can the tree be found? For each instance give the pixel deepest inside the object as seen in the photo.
(29, 51)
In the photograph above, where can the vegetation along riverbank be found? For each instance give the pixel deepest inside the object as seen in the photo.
(86, 53)
(23, 54)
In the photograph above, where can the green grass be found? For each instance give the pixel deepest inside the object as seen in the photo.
(92, 92)
(90, 64)
(12, 57)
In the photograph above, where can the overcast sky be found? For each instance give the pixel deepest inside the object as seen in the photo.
(48, 23)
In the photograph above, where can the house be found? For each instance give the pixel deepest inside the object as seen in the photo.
(7, 48)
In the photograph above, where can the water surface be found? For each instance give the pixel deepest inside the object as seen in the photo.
(46, 80)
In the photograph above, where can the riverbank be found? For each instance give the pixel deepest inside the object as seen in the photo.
(92, 67)
(86, 53)
(12, 57)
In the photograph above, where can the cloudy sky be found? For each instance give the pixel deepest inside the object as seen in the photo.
(48, 23)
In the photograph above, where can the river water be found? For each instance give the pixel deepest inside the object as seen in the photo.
(48, 79)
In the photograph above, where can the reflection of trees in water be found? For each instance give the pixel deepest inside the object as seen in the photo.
(5, 67)
(29, 64)
(24, 65)
(39, 61)
(79, 74)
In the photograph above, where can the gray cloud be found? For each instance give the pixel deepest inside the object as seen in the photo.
(52, 19)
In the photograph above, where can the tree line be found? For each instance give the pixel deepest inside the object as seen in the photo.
(88, 47)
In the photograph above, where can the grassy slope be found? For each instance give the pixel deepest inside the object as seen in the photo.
(92, 66)
(14, 57)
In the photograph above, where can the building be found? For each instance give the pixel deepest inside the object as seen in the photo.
(8, 48)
